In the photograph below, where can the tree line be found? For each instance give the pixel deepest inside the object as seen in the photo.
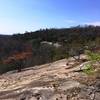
(46, 45)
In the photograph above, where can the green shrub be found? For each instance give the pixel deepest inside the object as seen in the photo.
(93, 56)
(88, 69)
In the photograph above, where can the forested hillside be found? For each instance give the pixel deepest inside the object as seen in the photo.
(46, 45)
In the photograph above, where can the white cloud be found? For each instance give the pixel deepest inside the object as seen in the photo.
(70, 21)
(97, 23)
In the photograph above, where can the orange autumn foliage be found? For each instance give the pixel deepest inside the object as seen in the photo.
(17, 57)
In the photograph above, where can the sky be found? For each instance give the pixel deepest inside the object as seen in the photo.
(18, 16)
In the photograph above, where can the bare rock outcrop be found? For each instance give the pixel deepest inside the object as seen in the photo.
(54, 81)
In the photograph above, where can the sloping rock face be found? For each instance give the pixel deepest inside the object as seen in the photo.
(54, 81)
